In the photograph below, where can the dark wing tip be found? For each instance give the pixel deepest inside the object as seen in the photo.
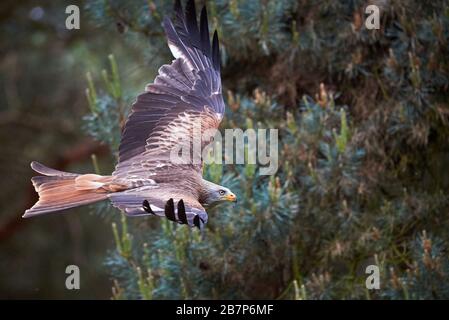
(186, 27)
(182, 212)
(216, 52)
(196, 222)
(177, 6)
(146, 206)
(170, 210)
(191, 23)
(204, 33)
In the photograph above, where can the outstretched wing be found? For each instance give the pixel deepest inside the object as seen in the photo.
(162, 201)
(185, 95)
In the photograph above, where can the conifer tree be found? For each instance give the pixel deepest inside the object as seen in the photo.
(363, 121)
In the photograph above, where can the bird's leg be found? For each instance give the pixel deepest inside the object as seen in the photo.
(146, 206)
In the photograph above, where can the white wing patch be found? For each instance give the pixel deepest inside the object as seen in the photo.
(178, 54)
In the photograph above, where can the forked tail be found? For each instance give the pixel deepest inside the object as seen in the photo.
(60, 190)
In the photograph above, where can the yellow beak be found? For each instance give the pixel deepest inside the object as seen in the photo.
(231, 197)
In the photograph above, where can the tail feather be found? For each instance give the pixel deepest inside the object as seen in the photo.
(59, 190)
(90, 181)
(40, 168)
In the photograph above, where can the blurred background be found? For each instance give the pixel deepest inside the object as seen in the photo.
(42, 104)
(363, 119)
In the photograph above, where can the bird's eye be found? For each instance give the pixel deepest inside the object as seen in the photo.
(221, 192)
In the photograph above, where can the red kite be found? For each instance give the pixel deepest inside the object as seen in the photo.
(145, 180)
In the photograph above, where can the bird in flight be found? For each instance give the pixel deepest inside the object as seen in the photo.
(146, 181)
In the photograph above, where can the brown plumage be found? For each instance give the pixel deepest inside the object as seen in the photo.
(146, 181)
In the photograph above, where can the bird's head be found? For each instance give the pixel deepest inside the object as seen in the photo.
(216, 194)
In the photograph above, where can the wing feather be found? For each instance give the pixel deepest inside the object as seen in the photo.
(185, 93)
(191, 84)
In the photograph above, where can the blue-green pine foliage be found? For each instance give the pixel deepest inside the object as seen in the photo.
(363, 120)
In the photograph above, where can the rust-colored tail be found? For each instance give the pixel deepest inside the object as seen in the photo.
(60, 190)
